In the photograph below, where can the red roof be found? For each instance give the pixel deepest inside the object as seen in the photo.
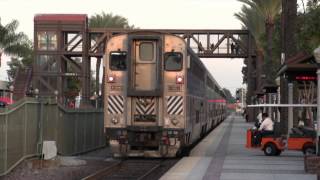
(301, 56)
(60, 17)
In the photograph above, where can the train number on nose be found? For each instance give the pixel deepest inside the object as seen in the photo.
(174, 88)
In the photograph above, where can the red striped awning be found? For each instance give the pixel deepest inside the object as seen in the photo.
(7, 100)
(217, 101)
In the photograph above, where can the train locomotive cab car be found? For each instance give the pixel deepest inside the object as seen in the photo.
(154, 106)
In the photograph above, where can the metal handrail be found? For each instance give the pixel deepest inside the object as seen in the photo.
(282, 105)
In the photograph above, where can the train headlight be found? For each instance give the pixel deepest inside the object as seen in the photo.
(179, 79)
(111, 79)
(114, 120)
(174, 121)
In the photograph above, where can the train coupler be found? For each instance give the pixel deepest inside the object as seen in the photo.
(165, 141)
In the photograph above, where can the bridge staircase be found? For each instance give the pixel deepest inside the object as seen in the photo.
(22, 82)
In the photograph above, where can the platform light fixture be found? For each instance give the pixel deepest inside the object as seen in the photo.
(316, 54)
(56, 93)
(36, 92)
(11, 88)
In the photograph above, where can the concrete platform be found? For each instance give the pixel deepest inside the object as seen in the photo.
(222, 155)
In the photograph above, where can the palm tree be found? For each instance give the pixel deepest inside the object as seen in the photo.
(265, 11)
(269, 10)
(12, 43)
(253, 21)
(109, 20)
(289, 29)
(258, 17)
(288, 47)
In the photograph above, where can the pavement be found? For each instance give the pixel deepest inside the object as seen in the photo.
(222, 155)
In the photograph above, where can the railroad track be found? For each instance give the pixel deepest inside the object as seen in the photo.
(138, 169)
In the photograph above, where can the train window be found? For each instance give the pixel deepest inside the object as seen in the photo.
(210, 82)
(146, 51)
(173, 61)
(196, 69)
(197, 117)
(118, 61)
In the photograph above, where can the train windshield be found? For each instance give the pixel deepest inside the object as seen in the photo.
(173, 61)
(118, 61)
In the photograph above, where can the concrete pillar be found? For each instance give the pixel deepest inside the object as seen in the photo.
(318, 111)
(290, 109)
(278, 111)
(270, 102)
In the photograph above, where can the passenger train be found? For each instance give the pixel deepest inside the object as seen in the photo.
(159, 97)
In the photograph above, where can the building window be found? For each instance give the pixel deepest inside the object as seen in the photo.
(47, 41)
(47, 63)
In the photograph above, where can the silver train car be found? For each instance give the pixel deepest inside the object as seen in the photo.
(159, 97)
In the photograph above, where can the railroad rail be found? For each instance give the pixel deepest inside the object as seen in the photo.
(138, 169)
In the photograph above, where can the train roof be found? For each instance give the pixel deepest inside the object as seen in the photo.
(190, 51)
(146, 32)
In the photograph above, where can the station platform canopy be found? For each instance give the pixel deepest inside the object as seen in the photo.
(301, 67)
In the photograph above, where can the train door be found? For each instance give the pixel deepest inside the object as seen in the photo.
(145, 81)
(145, 65)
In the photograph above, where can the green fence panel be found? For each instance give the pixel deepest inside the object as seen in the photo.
(99, 136)
(89, 138)
(62, 138)
(16, 136)
(68, 127)
(50, 122)
(16, 141)
(80, 132)
(83, 130)
(24, 125)
(32, 132)
(2, 144)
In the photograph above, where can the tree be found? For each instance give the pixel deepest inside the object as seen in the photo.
(109, 20)
(257, 16)
(230, 98)
(289, 27)
(252, 20)
(16, 45)
(12, 43)
(309, 28)
(253, 14)
(19, 63)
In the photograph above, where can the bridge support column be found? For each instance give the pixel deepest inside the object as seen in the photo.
(290, 109)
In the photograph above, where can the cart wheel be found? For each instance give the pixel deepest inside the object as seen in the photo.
(270, 149)
(309, 150)
(278, 152)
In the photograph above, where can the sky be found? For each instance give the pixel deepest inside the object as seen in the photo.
(145, 14)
